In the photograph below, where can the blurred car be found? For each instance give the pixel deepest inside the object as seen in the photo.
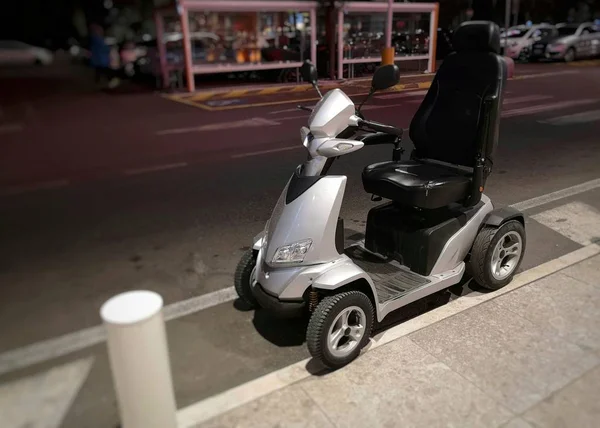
(13, 52)
(517, 41)
(570, 42)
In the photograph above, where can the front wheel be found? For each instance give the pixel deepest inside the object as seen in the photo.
(497, 253)
(570, 55)
(243, 278)
(339, 328)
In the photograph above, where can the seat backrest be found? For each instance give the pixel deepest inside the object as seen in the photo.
(458, 120)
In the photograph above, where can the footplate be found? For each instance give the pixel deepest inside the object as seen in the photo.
(390, 278)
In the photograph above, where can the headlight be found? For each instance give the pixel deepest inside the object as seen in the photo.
(293, 253)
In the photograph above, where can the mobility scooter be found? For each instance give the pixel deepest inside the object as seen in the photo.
(436, 224)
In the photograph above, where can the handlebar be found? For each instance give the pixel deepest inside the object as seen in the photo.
(380, 127)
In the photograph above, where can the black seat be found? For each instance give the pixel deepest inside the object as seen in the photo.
(415, 183)
(456, 125)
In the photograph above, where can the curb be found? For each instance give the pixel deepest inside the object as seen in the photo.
(217, 405)
(281, 89)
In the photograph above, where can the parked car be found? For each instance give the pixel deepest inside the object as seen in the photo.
(568, 43)
(13, 52)
(517, 41)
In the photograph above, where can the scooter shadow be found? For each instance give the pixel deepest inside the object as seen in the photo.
(291, 332)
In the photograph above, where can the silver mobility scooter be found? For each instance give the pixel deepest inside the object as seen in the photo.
(437, 222)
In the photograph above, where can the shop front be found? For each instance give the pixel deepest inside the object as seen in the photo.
(201, 37)
(210, 36)
(394, 32)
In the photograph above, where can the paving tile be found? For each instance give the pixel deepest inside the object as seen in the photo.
(577, 405)
(508, 357)
(565, 306)
(401, 385)
(289, 407)
(587, 271)
(517, 423)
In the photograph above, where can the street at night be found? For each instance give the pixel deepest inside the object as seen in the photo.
(145, 192)
(258, 213)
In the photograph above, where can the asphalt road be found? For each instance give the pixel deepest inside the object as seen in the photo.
(113, 225)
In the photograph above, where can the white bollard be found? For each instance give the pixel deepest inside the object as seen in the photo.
(139, 359)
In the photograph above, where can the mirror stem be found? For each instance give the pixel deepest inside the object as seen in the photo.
(371, 92)
(318, 90)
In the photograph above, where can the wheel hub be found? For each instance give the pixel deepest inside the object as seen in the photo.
(506, 255)
(346, 331)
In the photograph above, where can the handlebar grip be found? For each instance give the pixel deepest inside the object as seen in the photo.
(380, 127)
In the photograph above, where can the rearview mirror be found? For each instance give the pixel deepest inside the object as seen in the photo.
(385, 77)
(309, 72)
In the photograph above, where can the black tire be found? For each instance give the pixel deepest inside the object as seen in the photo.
(243, 272)
(480, 261)
(321, 321)
(570, 55)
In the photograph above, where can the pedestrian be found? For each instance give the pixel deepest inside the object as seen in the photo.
(100, 54)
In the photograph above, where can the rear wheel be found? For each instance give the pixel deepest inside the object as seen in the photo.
(497, 253)
(243, 278)
(339, 328)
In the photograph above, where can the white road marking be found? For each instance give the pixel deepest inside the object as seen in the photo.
(156, 168)
(11, 128)
(72, 342)
(576, 220)
(546, 107)
(43, 400)
(265, 152)
(526, 98)
(288, 110)
(46, 185)
(63, 345)
(571, 119)
(202, 411)
(548, 74)
(559, 194)
(246, 123)
(400, 95)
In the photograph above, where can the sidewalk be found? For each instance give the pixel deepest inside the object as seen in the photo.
(525, 356)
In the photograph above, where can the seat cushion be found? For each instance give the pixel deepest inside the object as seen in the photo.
(415, 183)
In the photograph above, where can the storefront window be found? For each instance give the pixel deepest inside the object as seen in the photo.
(410, 33)
(249, 37)
(364, 35)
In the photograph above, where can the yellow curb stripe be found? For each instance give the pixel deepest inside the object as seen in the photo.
(268, 91)
(235, 93)
(301, 88)
(202, 96)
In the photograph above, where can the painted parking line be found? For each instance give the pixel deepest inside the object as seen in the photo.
(72, 342)
(577, 221)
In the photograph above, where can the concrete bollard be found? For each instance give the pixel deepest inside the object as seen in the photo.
(139, 359)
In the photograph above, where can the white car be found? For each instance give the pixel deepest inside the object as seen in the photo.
(517, 41)
(13, 52)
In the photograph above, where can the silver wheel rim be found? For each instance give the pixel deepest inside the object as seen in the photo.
(346, 331)
(506, 255)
